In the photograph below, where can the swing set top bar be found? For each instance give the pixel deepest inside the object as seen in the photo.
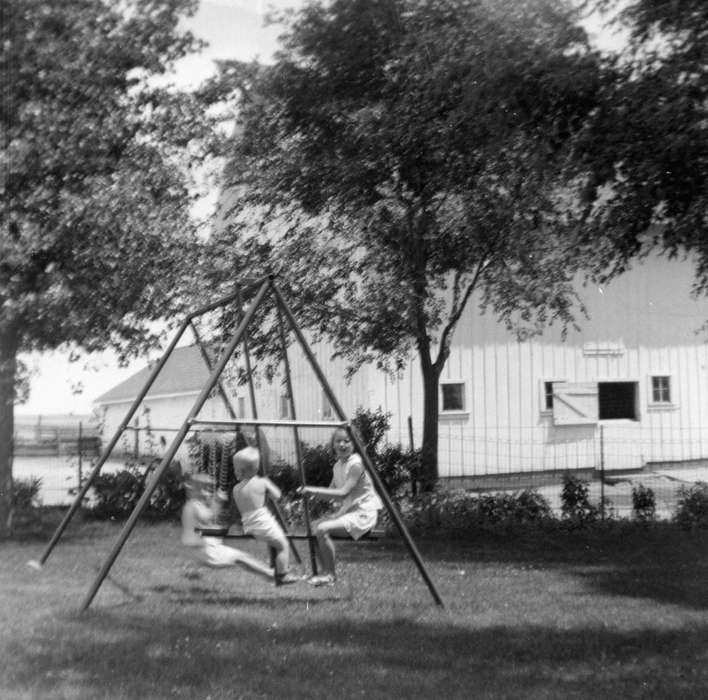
(226, 299)
(260, 422)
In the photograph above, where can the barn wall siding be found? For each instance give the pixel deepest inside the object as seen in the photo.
(643, 324)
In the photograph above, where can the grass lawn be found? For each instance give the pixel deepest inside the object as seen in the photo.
(617, 614)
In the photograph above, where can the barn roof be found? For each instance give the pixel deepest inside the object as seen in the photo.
(184, 372)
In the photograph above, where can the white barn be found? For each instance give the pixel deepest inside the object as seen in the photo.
(628, 390)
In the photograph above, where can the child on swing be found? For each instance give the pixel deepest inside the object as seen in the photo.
(198, 512)
(250, 497)
(359, 509)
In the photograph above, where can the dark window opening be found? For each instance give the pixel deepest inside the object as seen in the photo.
(548, 395)
(453, 397)
(617, 400)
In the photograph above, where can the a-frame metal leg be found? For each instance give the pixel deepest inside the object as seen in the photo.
(254, 411)
(131, 411)
(378, 484)
(298, 446)
(111, 445)
(177, 441)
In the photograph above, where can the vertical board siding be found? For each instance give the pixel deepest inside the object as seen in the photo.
(504, 428)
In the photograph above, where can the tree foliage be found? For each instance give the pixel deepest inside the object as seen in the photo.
(95, 221)
(644, 155)
(406, 154)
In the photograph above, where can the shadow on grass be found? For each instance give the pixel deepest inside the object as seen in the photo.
(658, 562)
(245, 656)
(202, 595)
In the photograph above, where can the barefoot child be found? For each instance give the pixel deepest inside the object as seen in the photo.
(250, 497)
(198, 512)
(359, 508)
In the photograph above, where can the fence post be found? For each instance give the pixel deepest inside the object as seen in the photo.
(80, 447)
(602, 472)
(136, 440)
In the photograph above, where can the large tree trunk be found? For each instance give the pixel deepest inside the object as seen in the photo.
(429, 449)
(8, 367)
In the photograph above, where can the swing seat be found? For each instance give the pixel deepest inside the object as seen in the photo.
(226, 533)
(213, 531)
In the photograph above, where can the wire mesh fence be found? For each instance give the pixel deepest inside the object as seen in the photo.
(614, 459)
(613, 465)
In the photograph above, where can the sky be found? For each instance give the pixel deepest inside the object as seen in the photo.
(233, 29)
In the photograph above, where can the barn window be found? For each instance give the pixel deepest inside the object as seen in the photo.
(661, 389)
(548, 396)
(588, 402)
(453, 396)
(617, 400)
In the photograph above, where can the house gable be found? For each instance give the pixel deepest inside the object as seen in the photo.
(185, 372)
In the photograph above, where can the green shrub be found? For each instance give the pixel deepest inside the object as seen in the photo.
(692, 507)
(168, 497)
(395, 465)
(575, 502)
(116, 494)
(317, 462)
(285, 476)
(25, 493)
(371, 427)
(531, 507)
(457, 513)
(643, 503)
(448, 512)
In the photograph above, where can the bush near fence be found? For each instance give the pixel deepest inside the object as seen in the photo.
(447, 511)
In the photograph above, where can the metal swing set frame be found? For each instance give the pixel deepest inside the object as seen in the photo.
(262, 288)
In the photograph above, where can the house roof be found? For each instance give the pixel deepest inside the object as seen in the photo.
(185, 372)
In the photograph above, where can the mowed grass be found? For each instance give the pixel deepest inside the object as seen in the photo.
(618, 614)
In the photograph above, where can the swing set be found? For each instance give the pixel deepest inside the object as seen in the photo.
(216, 451)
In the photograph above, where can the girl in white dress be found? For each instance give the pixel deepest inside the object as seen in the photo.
(359, 509)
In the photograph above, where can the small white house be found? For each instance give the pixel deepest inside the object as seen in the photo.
(629, 389)
(163, 409)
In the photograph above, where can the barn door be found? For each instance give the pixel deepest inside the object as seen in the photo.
(575, 404)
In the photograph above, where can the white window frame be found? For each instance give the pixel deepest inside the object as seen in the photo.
(453, 411)
(659, 405)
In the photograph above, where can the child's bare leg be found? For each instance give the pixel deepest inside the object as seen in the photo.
(280, 546)
(282, 554)
(255, 565)
(324, 530)
(190, 537)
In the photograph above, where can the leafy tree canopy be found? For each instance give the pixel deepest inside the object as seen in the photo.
(95, 204)
(405, 154)
(645, 153)
(94, 179)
